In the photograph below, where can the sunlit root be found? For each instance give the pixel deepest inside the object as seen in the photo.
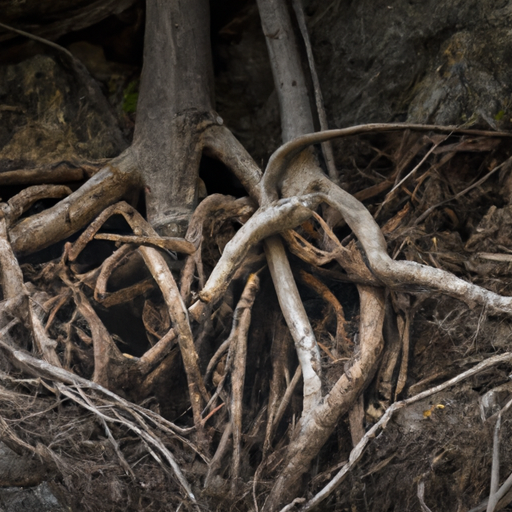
(297, 321)
(394, 274)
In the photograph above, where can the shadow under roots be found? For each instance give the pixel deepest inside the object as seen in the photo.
(218, 179)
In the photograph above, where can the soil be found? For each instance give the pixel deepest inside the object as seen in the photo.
(433, 62)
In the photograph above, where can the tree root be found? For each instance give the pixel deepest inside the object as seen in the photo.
(358, 450)
(315, 428)
(320, 414)
(320, 411)
(286, 195)
(68, 216)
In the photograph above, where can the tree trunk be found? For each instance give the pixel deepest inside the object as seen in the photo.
(175, 108)
(213, 396)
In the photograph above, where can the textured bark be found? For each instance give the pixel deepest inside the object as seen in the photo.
(68, 216)
(175, 107)
(175, 125)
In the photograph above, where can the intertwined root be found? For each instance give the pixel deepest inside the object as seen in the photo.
(88, 367)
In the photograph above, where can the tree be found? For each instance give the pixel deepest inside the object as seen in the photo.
(176, 124)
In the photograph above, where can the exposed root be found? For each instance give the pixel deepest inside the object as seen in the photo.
(213, 211)
(167, 243)
(297, 321)
(328, 296)
(243, 319)
(315, 428)
(212, 351)
(358, 450)
(106, 269)
(78, 209)
(62, 172)
(287, 213)
(282, 159)
(272, 431)
(318, 416)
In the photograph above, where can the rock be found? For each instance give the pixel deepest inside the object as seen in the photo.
(19, 470)
(32, 499)
(437, 62)
(47, 115)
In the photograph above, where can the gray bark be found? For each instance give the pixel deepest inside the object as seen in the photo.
(175, 106)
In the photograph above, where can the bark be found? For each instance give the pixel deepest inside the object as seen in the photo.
(313, 431)
(175, 108)
(175, 124)
(289, 80)
(68, 216)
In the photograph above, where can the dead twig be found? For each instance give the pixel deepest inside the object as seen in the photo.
(144, 434)
(477, 183)
(421, 496)
(358, 450)
(168, 243)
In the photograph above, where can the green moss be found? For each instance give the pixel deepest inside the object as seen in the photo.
(499, 115)
(130, 97)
